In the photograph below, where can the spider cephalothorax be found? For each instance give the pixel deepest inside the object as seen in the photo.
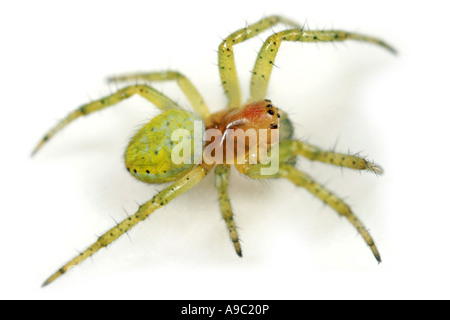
(242, 135)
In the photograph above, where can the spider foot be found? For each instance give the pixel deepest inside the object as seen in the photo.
(375, 168)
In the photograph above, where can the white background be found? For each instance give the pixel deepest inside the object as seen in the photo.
(54, 57)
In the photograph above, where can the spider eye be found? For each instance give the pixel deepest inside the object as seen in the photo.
(271, 112)
(273, 126)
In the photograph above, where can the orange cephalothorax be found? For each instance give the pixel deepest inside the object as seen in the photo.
(243, 131)
(255, 115)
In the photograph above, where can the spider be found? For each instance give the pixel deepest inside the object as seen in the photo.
(148, 156)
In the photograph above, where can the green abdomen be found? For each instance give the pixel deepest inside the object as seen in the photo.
(149, 154)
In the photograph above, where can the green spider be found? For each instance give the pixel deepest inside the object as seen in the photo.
(149, 156)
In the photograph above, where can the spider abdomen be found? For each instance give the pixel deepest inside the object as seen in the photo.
(149, 154)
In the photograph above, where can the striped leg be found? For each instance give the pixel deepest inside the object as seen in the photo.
(154, 96)
(227, 66)
(266, 56)
(222, 176)
(189, 90)
(162, 198)
(313, 153)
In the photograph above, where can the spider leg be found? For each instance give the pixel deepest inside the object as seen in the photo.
(149, 93)
(222, 175)
(301, 179)
(227, 66)
(189, 90)
(162, 198)
(266, 56)
(292, 148)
